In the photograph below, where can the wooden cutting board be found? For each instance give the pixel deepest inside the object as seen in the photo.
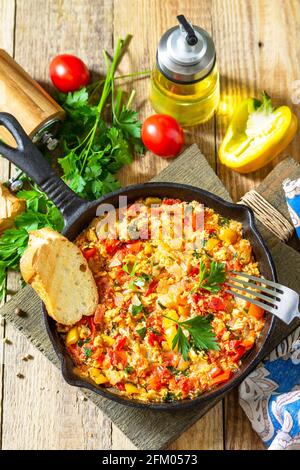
(154, 429)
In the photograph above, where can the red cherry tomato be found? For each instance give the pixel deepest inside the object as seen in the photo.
(68, 73)
(162, 135)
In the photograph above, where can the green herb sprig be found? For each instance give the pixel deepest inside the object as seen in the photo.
(201, 335)
(213, 279)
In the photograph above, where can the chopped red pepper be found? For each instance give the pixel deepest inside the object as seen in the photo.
(152, 286)
(120, 343)
(99, 314)
(217, 304)
(89, 253)
(171, 202)
(154, 338)
(221, 377)
(239, 352)
(112, 246)
(194, 271)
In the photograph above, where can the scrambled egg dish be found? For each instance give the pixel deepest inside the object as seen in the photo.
(165, 329)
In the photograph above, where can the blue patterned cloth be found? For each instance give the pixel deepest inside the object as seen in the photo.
(292, 194)
(270, 396)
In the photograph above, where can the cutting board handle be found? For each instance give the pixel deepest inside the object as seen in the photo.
(29, 159)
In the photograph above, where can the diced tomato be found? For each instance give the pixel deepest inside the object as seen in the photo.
(210, 230)
(152, 287)
(99, 314)
(217, 304)
(234, 343)
(99, 356)
(171, 202)
(120, 343)
(256, 312)
(194, 271)
(185, 385)
(216, 370)
(239, 352)
(154, 339)
(89, 253)
(159, 378)
(221, 378)
(154, 383)
(134, 247)
(121, 387)
(112, 246)
(118, 358)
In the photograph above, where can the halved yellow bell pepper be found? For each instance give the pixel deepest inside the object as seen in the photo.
(256, 134)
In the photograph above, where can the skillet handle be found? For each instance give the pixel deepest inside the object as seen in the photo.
(29, 159)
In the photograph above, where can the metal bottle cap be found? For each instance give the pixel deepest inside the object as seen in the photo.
(186, 53)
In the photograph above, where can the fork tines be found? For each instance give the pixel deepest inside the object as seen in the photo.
(256, 288)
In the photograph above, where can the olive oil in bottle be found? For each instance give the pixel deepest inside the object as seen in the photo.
(185, 81)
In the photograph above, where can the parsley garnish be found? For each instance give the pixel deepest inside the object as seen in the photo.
(88, 352)
(169, 396)
(136, 309)
(128, 369)
(201, 335)
(211, 280)
(131, 271)
(142, 332)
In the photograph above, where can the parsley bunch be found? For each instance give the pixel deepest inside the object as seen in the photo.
(98, 138)
(100, 134)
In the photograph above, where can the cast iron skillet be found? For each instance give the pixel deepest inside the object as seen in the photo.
(77, 214)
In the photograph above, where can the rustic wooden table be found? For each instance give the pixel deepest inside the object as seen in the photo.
(258, 48)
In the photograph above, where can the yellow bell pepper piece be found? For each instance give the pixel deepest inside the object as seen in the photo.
(130, 388)
(170, 326)
(211, 243)
(108, 340)
(228, 236)
(72, 336)
(97, 376)
(256, 134)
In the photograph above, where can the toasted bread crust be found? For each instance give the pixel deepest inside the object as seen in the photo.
(58, 272)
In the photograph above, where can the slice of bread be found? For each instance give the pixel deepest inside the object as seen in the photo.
(60, 275)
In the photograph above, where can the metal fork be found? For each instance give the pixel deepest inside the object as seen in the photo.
(275, 298)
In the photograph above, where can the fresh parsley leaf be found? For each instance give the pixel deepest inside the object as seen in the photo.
(142, 332)
(211, 280)
(136, 309)
(196, 254)
(129, 123)
(182, 343)
(131, 271)
(79, 343)
(169, 396)
(88, 352)
(201, 332)
(201, 335)
(128, 370)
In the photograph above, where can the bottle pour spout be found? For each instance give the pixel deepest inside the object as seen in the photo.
(191, 37)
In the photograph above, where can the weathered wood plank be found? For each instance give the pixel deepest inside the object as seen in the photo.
(7, 22)
(47, 419)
